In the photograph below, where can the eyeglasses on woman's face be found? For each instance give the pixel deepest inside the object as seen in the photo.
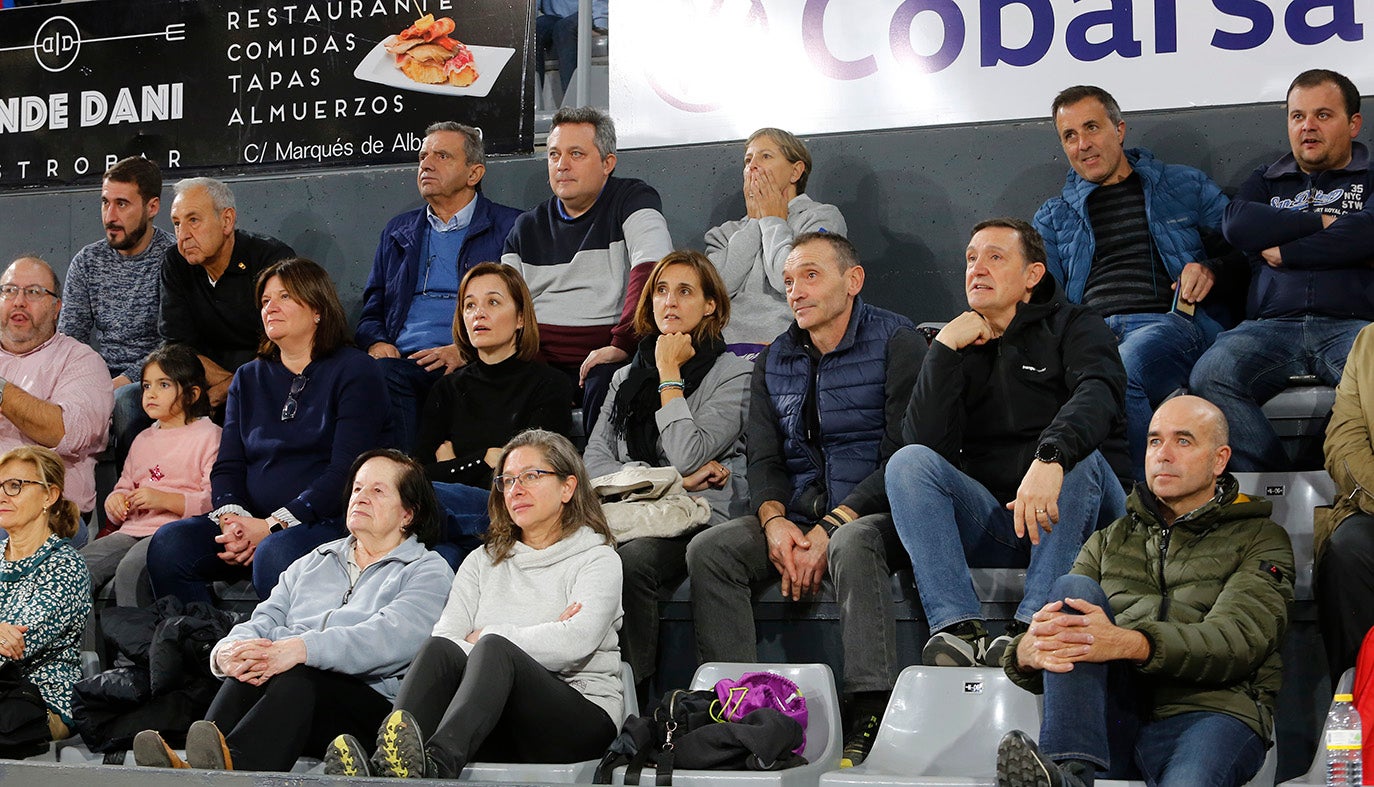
(13, 487)
(526, 479)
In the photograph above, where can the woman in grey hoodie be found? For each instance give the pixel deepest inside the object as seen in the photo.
(527, 643)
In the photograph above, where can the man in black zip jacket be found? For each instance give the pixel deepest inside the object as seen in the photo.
(1159, 653)
(1016, 441)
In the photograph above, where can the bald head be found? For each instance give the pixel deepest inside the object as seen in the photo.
(1185, 453)
(31, 264)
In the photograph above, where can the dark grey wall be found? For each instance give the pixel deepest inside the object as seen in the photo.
(909, 195)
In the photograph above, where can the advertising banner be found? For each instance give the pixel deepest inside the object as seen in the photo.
(232, 86)
(685, 71)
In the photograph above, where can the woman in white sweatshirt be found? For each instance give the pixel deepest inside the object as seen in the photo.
(527, 643)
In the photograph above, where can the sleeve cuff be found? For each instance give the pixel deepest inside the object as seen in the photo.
(285, 517)
(231, 508)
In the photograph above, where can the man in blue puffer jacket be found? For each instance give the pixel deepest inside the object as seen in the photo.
(1306, 222)
(1128, 233)
(825, 413)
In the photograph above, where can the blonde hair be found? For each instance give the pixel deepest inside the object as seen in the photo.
(63, 515)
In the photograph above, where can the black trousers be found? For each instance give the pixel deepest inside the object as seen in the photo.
(1345, 592)
(296, 713)
(498, 705)
(653, 569)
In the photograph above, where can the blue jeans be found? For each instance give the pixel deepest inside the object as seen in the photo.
(183, 556)
(1251, 363)
(409, 384)
(1091, 713)
(465, 520)
(558, 33)
(948, 522)
(1158, 351)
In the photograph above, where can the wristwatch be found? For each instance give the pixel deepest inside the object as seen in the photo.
(829, 527)
(1049, 453)
(276, 527)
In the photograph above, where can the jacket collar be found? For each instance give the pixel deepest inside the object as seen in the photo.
(1144, 506)
(1076, 189)
(481, 219)
(802, 339)
(1288, 165)
(1045, 300)
(408, 551)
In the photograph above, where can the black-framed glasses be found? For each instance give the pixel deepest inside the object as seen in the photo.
(33, 292)
(425, 291)
(13, 487)
(525, 479)
(288, 410)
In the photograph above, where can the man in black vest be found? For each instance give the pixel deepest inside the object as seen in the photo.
(824, 415)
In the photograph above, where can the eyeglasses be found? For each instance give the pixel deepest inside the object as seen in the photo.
(425, 291)
(288, 410)
(526, 479)
(12, 487)
(33, 292)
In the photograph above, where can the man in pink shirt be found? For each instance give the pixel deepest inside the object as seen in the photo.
(54, 390)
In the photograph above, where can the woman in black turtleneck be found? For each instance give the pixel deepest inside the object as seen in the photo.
(499, 392)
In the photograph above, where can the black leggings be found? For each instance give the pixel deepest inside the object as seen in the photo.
(1345, 592)
(298, 712)
(498, 705)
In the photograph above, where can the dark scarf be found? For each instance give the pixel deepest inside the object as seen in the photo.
(632, 414)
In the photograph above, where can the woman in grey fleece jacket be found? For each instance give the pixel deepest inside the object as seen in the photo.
(523, 664)
(750, 252)
(680, 403)
(328, 647)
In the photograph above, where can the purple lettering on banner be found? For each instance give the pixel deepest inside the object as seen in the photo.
(1166, 26)
(1121, 41)
(813, 39)
(1261, 24)
(1342, 22)
(899, 34)
(1042, 33)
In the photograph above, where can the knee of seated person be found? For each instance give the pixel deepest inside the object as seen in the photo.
(704, 554)
(1076, 586)
(914, 459)
(493, 643)
(1349, 544)
(854, 536)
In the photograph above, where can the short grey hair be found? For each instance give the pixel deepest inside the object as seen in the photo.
(473, 150)
(600, 121)
(1072, 95)
(219, 192)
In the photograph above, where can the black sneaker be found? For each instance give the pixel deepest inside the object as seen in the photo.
(859, 742)
(1020, 764)
(345, 757)
(400, 750)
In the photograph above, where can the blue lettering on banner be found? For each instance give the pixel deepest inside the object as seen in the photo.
(1089, 35)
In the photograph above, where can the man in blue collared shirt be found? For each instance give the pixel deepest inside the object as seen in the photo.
(412, 292)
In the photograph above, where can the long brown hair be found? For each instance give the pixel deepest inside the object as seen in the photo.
(584, 509)
(310, 284)
(62, 514)
(713, 289)
(526, 337)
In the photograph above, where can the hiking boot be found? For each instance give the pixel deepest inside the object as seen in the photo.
(344, 756)
(964, 644)
(859, 742)
(400, 750)
(1021, 764)
(206, 747)
(151, 751)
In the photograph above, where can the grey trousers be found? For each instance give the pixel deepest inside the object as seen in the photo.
(727, 562)
(124, 559)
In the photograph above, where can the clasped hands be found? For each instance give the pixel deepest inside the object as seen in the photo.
(255, 661)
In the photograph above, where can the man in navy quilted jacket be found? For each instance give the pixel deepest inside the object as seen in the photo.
(1129, 234)
(1307, 225)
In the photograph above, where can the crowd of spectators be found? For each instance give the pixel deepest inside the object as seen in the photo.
(829, 444)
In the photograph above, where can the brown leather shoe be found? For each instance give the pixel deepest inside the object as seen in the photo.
(151, 751)
(206, 747)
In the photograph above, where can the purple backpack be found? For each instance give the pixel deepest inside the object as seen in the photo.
(754, 690)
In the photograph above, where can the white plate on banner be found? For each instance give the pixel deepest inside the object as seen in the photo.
(380, 66)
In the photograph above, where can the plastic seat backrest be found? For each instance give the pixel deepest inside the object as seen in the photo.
(817, 682)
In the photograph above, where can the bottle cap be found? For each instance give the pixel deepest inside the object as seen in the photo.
(1345, 698)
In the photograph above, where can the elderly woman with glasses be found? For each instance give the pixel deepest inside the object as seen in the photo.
(45, 592)
(522, 665)
(295, 418)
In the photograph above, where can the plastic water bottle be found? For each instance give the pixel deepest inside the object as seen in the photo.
(1343, 767)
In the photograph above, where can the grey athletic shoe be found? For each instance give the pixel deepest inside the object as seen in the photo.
(944, 649)
(400, 750)
(1021, 764)
(997, 647)
(344, 756)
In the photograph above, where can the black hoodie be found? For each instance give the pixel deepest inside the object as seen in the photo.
(1053, 377)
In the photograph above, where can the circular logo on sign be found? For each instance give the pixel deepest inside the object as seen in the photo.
(56, 43)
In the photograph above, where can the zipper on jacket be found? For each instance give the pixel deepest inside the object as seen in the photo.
(346, 596)
(1163, 586)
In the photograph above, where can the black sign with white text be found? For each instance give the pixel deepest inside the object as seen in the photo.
(218, 86)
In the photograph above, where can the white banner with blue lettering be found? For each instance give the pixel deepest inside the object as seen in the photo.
(686, 71)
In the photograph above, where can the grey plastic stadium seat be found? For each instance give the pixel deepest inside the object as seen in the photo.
(942, 727)
(1294, 495)
(823, 735)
